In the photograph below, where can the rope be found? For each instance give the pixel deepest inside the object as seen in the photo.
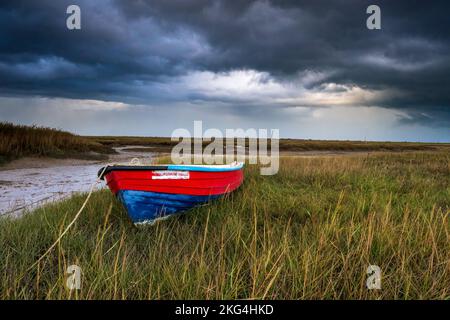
(71, 223)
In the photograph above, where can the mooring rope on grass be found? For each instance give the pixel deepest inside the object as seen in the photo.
(134, 161)
(73, 220)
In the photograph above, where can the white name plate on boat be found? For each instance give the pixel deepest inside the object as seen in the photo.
(167, 174)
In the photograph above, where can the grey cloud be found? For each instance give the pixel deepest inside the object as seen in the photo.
(130, 50)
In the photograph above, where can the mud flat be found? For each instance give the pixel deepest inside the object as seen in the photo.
(30, 182)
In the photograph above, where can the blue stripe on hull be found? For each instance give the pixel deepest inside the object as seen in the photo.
(144, 206)
(205, 167)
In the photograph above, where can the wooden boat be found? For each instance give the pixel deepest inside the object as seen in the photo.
(154, 192)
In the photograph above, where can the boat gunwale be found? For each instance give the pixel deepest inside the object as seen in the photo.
(203, 168)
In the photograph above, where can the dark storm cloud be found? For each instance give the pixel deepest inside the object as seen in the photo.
(131, 50)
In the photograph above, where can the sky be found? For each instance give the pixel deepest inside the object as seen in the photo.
(311, 69)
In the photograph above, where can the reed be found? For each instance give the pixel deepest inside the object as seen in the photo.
(308, 232)
(18, 141)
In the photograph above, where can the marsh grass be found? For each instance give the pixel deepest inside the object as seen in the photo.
(163, 144)
(18, 141)
(308, 232)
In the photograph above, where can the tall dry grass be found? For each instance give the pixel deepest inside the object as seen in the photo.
(309, 232)
(17, 141)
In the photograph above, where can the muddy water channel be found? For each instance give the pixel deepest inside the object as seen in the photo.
(30, 183)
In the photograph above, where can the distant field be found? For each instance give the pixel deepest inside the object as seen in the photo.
(309, 232)
(295, 145)
(17, 141)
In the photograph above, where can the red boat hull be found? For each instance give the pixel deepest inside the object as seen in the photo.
(153, 192)
(200, 183)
